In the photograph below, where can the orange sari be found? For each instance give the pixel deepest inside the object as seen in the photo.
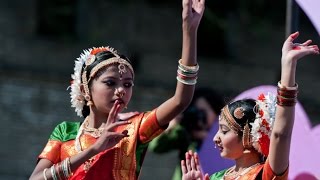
(261, 172)
(123, 161)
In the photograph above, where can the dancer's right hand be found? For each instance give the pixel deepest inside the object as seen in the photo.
(109, 137)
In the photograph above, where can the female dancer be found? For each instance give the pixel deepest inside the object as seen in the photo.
(257, 133)
(104, 146)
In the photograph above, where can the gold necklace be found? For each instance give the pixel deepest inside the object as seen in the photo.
(94, 132)
(84, 128)
(230, 174)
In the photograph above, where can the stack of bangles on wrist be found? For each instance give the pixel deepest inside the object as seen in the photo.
(287, 96)
(59, 171)
(187, 74)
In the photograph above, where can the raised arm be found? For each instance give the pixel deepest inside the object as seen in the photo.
(191, 15)
(281, 133)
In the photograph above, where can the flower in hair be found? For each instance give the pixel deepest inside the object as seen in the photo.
(77, 98)
(86, 58)
(265, 110)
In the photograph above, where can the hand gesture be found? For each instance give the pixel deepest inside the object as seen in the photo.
(109, 138)
(192, 12)
(191, 169)
(294, 51)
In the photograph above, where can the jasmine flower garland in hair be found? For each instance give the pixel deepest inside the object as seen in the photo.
(86, 58)
(265, 110)
(77, 98)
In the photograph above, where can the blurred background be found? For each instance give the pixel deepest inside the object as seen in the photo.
(239, 48)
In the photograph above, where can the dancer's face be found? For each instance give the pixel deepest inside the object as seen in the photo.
(111, 86)
(227, 141)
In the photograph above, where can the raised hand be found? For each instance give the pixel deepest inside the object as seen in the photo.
(192, 12)
(291, 52)
(109, 138)
(294, 51)
(191, 169)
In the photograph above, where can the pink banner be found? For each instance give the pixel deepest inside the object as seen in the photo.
(311, 8)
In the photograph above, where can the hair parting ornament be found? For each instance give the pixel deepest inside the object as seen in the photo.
(80, 74)
(259, 135)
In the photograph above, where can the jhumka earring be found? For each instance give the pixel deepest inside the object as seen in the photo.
(88, 98)
(246, 139)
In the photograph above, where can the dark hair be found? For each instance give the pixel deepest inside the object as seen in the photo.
(248, 107)
(214, 99)
(100, 56)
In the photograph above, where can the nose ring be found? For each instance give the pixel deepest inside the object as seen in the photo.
(120, 93)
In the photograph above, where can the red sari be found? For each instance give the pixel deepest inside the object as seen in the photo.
(123, 161)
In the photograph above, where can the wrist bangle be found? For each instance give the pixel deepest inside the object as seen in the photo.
(282, 87)
(44, 174)
(190, 69)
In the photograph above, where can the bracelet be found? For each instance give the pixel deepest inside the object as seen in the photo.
(58, 170)
(282, 101)
(65, 167)
(289, 94)
(287, 98)
(186, 76)
(53, 173)
(44, 174)
(294, 88)
(187, 82)
(69, 166)
(190, 69)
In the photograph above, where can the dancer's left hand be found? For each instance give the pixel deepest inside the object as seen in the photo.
(291, 52)
(192, 13)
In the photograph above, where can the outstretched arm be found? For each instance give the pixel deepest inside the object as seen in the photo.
(191, 15)
(284, 120)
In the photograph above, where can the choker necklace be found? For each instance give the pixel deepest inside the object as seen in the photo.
(92, 131)
(230, 174)
(84, 128)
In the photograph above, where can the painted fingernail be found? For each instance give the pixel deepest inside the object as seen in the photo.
(125, 132)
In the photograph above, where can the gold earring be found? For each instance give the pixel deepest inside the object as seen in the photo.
(89, 103)
(246, 139)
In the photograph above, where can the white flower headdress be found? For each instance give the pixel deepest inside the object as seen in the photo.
(265, 110)
(86, 58)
